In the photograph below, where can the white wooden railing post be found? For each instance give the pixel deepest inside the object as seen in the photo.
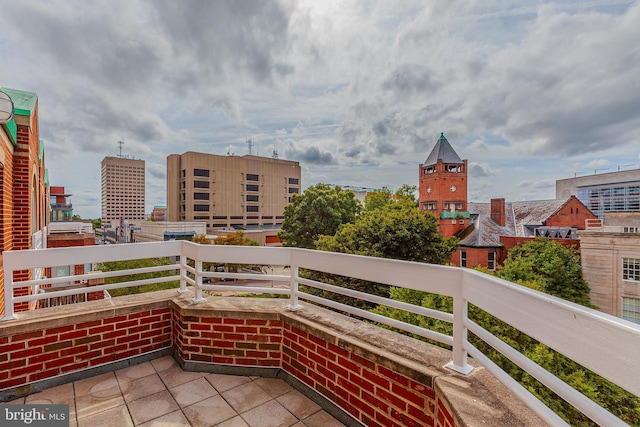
(8, 295)
(198, 280)
(183, 274)
(294, 305)
(460, 312)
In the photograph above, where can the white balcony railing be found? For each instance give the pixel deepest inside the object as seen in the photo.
(604, 344)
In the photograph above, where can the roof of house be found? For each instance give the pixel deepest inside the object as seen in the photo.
(24, 102)
(443, 151)
(521, 219)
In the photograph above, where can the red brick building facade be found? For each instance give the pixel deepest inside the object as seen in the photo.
(442, 188)
(23, 188)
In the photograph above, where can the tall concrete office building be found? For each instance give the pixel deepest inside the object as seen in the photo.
(122, 189)
(230, 191)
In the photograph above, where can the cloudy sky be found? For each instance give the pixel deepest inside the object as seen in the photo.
(356, 91)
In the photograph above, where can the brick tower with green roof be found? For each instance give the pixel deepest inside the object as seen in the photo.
(443, 187)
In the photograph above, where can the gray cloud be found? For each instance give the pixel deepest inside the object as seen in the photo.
(311, 155)
(362, 85)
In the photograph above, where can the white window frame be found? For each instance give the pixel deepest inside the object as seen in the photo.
(491, 260)
(463, 257)
(631, 269)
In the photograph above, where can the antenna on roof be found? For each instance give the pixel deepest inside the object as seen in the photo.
(275, 152)
(250, 144)
(120, 143)
(595, 171)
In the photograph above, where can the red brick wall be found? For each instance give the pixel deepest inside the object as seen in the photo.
(371, 392)
(572, 214)
(510, 242)
(45, 353)
(255, 342)
(477, 256)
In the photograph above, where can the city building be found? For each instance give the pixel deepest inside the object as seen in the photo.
(123, 190)
(247, 192)
(610, 252)
(61, 208)
(24, 199)
(442, 188)
(604, 192)
(159, 213)
(488, 230)
(498, 226)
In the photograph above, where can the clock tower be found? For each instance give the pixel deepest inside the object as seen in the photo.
(443, 187)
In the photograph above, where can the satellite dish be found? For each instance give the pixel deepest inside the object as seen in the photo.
(6, 108)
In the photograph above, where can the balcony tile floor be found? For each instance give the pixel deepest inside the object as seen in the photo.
(160, 394)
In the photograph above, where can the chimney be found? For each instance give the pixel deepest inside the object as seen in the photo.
(498, 211)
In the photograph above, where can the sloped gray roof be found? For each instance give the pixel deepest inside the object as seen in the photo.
(443, 150)
(520, 220)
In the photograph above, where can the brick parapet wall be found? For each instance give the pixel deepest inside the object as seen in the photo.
(61, 340)
(381, 378)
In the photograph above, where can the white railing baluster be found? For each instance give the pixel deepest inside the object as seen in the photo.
(294, 305)
(198, 280)
(183, 274)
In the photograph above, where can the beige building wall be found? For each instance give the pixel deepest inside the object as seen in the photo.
(230, 191)
(603, 253)
(123, 189)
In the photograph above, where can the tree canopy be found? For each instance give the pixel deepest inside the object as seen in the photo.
(553, 267)
(395, 230)
(320, 210)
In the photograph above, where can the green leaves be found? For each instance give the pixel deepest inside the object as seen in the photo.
(320, 210)
(553, 267)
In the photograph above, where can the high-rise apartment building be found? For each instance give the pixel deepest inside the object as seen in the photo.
(230, 191)
(122, 189)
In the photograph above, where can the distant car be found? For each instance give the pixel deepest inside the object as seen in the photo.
(228, 279)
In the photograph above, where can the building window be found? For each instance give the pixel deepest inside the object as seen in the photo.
(201, 208)
(201, 196)
(631, 309)
(253, 198)
(200, 217)
(429, 206)
(201, 172)
(253, 187)
(201, 184)
(293, 181)
(293, 190)
(253, 208)
(252, 177)
(491, 261)
(629, 229)
(463, 258)
(631, 269)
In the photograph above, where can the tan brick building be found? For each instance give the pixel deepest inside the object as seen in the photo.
(230, 191)
(123, 189)
(24, 199)
(611, 264)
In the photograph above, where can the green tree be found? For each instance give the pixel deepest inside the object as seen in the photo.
(380, 198)
(555, 269)
(396, 230)
(97, 223)
(320, 210)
